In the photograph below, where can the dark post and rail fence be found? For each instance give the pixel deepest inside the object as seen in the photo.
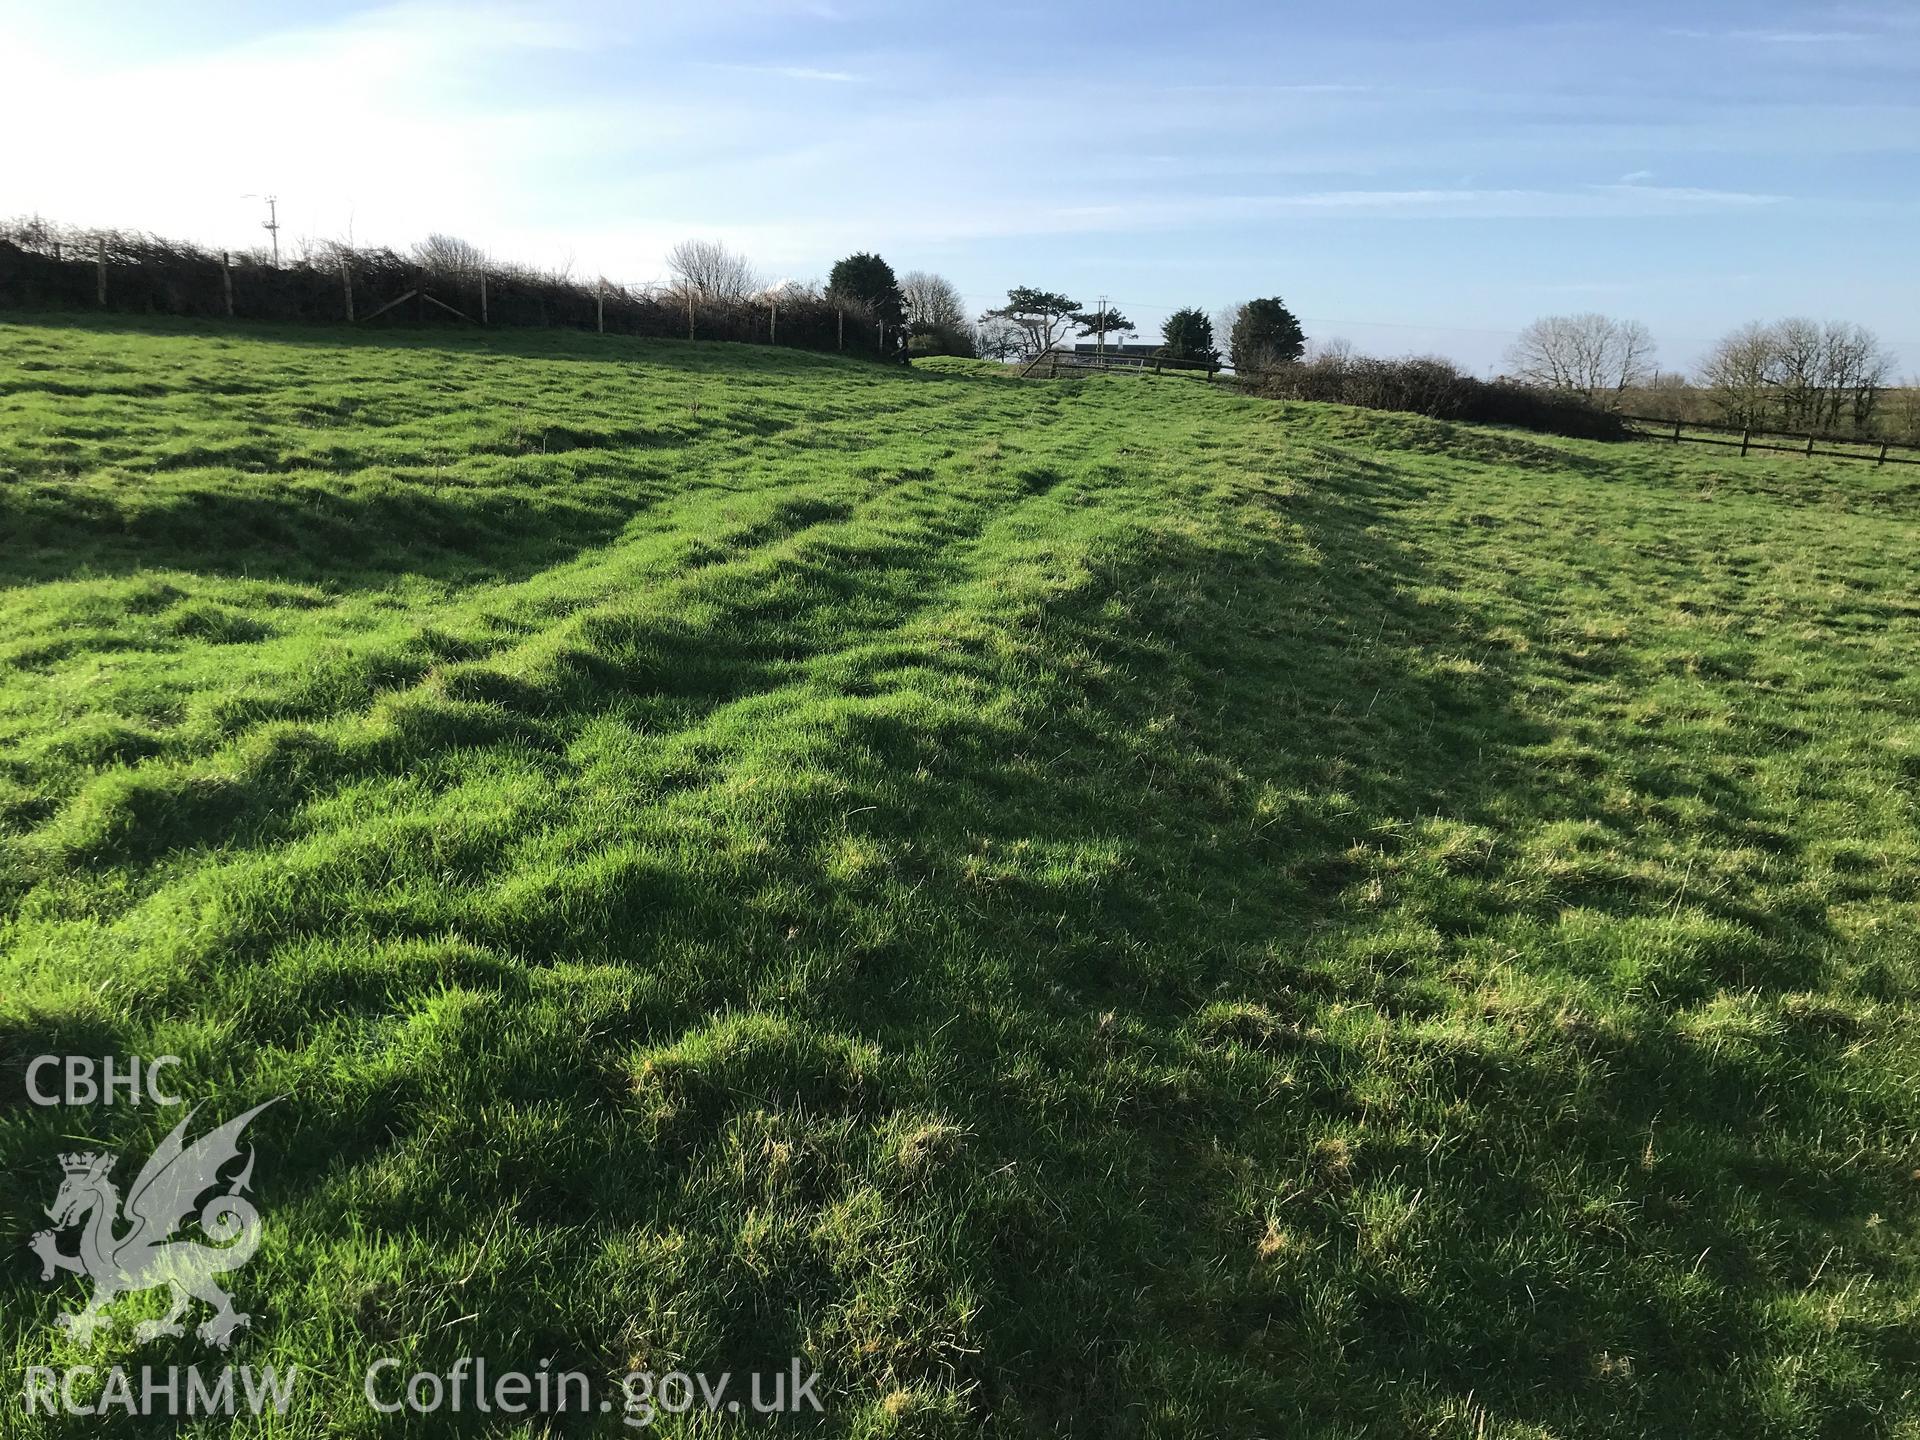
(1870, 449)
(1057, 360)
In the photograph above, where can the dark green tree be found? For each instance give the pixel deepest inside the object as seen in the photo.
(1108, 322)
(1266, 334)
(866, 283)
(1041, 316)
(1188, 335)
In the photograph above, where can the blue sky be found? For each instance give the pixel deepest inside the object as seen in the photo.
(1409, 176)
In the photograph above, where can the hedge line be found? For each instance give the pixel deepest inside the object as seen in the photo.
(1429, 386)
(45, 267)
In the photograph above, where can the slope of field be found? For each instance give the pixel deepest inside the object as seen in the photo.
(1104, 908)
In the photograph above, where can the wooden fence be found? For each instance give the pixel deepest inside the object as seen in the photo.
(1877, 452)
(1055, 360)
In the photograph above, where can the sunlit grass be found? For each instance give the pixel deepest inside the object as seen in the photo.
(1107, 908)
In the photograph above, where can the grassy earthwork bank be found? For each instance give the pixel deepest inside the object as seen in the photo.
(1101, 908)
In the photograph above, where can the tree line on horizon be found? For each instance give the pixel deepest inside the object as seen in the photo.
(1794, 374)
(1260, 333)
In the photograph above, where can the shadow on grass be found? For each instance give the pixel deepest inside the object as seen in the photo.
(1157, 1079)
(303, 533)
(1602, 1184)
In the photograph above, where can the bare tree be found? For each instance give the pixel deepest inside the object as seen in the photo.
(790, 291)
(1794, 365)
(1226, 317)
(1591, 355)
(932, 302)
(1903, 411)
(1738, 373)
(1667, 395)
(711, 271)
(937, 317)
(1798, 374)
(997, 338)
(1854, 370)
(450, 255)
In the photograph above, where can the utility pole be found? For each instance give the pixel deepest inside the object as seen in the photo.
(1102, 314)
(272, 223)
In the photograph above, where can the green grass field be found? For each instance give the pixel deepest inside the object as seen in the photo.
(1103, 908)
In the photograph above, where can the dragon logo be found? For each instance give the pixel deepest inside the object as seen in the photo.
(148, 1255)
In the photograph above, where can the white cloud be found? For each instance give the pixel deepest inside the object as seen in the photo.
(1772, 37)
(1692, 197)
(798, 72)
(1624, 200)
(1797, 37)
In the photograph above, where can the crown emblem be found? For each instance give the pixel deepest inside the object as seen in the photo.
(80, 1162)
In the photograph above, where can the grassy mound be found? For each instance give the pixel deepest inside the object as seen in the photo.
(1109, 909)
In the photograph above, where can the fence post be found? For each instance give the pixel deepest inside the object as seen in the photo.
(840, 326)
(1676, 432)
(483, 297)
(346, 286)
(1746, 438)
(226, 281)
(1883, 454)
(773, 322)
(883, 337)
(100, 256)
(600, 306)
(689, 312)
(56, 252)
(1809, 445)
